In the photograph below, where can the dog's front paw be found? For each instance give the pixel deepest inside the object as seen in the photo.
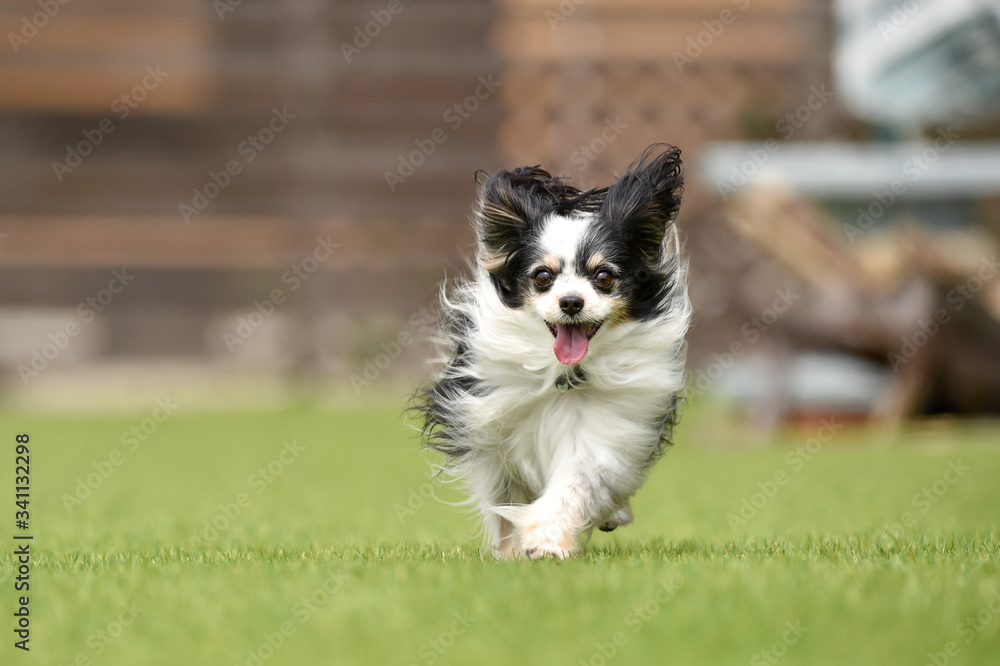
(548, 540)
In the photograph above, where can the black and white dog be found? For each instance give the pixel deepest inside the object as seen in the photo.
(564, 353)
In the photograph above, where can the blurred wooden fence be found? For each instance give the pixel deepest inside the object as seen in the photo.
(582, 95)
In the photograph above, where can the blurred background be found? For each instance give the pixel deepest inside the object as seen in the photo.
(251, 202)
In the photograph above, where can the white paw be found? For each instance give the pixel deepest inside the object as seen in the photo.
(547, 540)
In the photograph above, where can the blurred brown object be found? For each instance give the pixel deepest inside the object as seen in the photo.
(69, 59)
(922, 303)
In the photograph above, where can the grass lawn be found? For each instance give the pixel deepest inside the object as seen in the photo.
(873, 548)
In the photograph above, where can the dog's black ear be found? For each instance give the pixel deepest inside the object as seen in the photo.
(506, 210)
(511, 203)
(645, 200)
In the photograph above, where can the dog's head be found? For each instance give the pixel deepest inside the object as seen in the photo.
(580, 261)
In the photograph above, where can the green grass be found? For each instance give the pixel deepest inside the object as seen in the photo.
(680, 586)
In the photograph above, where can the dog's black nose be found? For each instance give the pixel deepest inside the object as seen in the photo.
(571, 305)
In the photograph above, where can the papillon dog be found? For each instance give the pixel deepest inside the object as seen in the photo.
(563, 353)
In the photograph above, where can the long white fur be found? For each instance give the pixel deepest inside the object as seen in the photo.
(569, 460)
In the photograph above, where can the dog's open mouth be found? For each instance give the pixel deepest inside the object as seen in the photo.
(572, 340)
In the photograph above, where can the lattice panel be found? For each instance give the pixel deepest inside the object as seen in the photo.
(589, 120)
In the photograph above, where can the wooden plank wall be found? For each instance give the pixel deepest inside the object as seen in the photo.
(352, 120)
(74, 57)
(321, 176)
(562, 82)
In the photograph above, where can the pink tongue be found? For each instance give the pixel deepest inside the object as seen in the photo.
(571, 344)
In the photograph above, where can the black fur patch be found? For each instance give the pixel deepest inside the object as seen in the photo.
(666, 425)
(442, 428)
(636, 212)
(508, 217)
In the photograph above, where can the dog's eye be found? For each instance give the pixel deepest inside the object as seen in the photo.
(543, 278)
(604, 279)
